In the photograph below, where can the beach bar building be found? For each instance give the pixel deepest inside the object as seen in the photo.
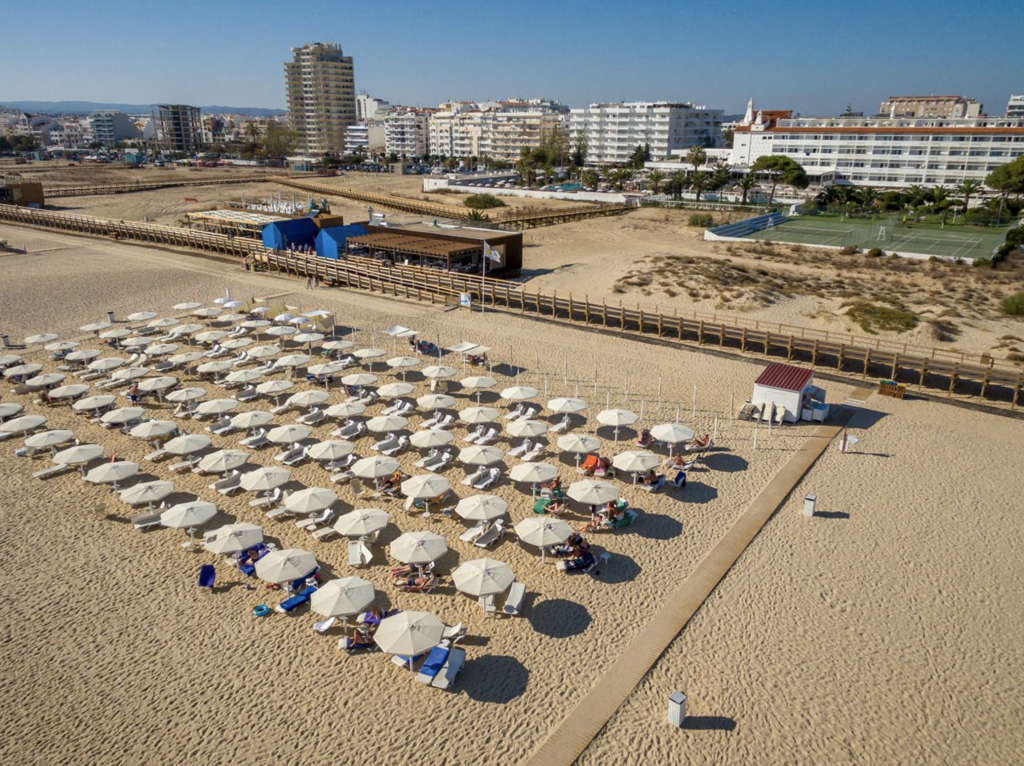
(294, 232)
(791, 388)
(331, 241)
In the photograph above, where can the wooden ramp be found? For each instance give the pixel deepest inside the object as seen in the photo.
(573, 735)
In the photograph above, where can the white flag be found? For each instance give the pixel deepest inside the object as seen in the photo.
(490, 252)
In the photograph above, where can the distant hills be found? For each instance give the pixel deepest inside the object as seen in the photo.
(85, 107)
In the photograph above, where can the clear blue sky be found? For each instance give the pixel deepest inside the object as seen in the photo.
(814, 57)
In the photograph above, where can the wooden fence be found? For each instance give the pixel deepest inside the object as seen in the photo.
(932, 368)
(90, 191)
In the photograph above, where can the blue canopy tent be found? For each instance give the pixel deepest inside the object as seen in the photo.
(294, 231)
(330, 242)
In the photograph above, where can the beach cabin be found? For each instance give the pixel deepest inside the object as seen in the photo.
(792, 391)
(300, 232)
(330, 242)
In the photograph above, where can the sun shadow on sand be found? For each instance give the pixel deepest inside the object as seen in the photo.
(559, 618)
(725, 462)
(709, 723)
(656, 526)
(619, 569)
(495, 678)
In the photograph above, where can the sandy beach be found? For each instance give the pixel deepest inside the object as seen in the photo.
(882, 632)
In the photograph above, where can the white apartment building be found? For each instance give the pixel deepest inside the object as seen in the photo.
(883, 151)
(369, 108)
(406, 132)
(498, 130)
(320, 81)
(614, 131)
(950, 107)
(110, 126)
(364, 138)
(1015, 107)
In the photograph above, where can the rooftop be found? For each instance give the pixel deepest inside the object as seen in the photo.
(786, 377)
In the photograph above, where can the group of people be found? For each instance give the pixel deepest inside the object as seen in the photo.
(575, 553)
(312, 282)
(610, 514)
(422, 346)
(390, 485)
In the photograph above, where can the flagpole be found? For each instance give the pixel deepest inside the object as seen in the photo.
(483, 278)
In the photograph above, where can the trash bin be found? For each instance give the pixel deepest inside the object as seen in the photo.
(5, 340)
(810, 501)
(110, 316)
(676, 708)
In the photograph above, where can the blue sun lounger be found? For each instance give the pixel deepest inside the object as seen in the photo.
(300, 598)
(433, 664)
(207, 574)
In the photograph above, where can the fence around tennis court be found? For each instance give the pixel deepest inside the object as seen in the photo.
(931, 368)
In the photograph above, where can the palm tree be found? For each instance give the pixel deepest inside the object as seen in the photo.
(915, 193)
(748, 183)
(867, 196)
(589, 178)
(698, 181)
(655, 179)
(940, 194)
(967, 189)
(697, 157)
(679, 182)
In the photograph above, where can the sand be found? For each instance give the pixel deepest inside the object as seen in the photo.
(862, 648)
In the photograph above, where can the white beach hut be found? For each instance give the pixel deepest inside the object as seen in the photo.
(791, 390)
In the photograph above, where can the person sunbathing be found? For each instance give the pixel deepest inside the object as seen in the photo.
(645, 438)
(650, 478)
(417, 581)
(701, 443)
(558, 507)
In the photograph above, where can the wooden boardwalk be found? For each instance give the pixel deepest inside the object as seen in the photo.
(567, 741)
(92, 191)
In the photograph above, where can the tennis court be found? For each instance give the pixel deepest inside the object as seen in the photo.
(886, 234)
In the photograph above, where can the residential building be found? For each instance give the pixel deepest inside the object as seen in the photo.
(882, 151)
(406, 131)
(178, 128)
(77, 133)
(1015, 107)
(498, 130)
(320, 81)
(364, 138)
(109, 126)
(369, 108)
(950, 107)
(613, 131)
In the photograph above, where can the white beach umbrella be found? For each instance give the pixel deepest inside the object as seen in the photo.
(94, 403)
(263, 352)
(481, 455)
(230, 318)
(425, 486)
(22, 370)
(116, 334)
(49, 439)
(418, 547)
(308, 398)
(186, 357)
(284, 317)
(223, 460)
(566, 405)
(256, 324)
(299, 321)
(122, 415)
(387, 423)
(533, 473)
(78, 455)
(345, 410)
(672, 433)
(617, 419)
(592, 491)
(243, 376)
(362, 522)
(281, 331)
(10, 409)
(436, 401)
(343, 597)
(188, 514)
(394, 390)
(106, 364)
(310, 500)
(207, 313)
(161, 349)
(317, 314)
(289, 434)
(232, 538)
(68, 392)
(187, 306)
(409, 633)
(112, 473)
(481, 507)
(579, 443)
(186, 444)
(136, 343)
(292, 360)
(252, 419)
(95, 327)
(374, 467)
(211, 336)
(189, 328)
(45, 380)
(369, 353)
(543, 531)
(63, 345)
(83, 355)
(152, 429)
(259, 310)
(478, 382)
(478, 415)
(308, 337)
(527, 427)
(217, 406)
(326, 368)
(359, 379)
(186, 394)
(330, 450)
(130, 373)
(160, 383)
(141, 316)
(22, 425)
(439, 371)
(483, 577)
(338, 345)
(6, 360)
(402, 362)
(520, 393)
(265, 479)
(635, 461)
(46, 337)
(274, 387)
(233, 344)
(431, 438)
(285, 565)
(162, 324)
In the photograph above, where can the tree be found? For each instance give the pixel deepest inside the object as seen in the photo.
(640, 155)
(697, 157)
(527, 167)
(655, 179)
(698, 182)
(677, 183)
(967, 189)
(915, 195)
(1007, 179)
(721, 176)
(729, 135)
(781, 169)
(589, 178)
(580, 146)
(749, 182)
(867, 196)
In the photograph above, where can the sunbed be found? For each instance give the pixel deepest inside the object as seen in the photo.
(293, 603)
(514, 600)
(492, 535)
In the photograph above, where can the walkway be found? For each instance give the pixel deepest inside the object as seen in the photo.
(573, 735)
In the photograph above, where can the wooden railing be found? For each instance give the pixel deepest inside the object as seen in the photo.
(928, 367)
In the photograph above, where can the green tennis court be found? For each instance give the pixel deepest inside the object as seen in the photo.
(886, 234)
